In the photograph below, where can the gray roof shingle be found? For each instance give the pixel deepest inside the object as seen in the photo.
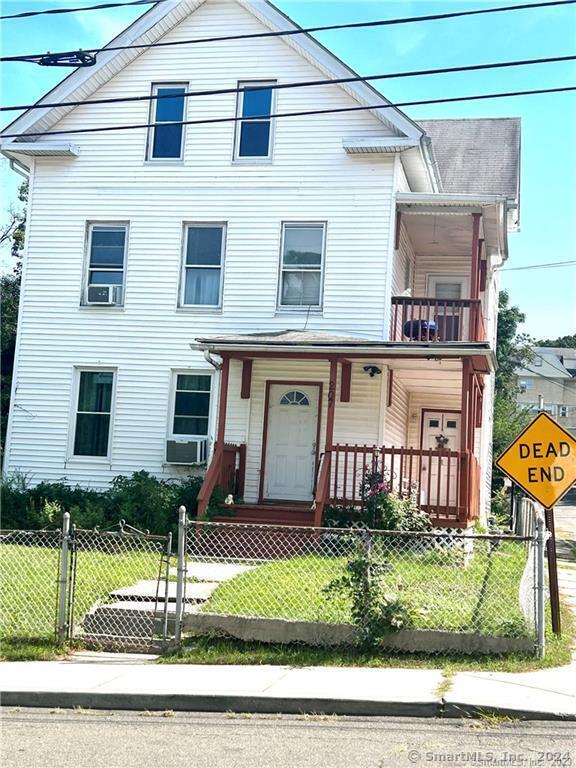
(477, 155)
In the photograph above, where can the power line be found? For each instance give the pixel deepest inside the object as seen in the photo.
(547, 378)
(299, 84)
(99, 7)
(540, 266)
(306, 113)
(35, 58)
(549, 362)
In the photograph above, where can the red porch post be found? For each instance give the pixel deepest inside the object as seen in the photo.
(323, 486)
(225, 375)
(475, 278)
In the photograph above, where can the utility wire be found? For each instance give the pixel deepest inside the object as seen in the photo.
(26, 14)
(549, 362)
(34, 58)
(306, 113)
(539, 266)
(298, 84)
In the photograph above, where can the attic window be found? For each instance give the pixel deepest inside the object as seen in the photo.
(254, 137)
(166, 140)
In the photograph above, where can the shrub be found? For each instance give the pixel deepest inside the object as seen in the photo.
(141, 500)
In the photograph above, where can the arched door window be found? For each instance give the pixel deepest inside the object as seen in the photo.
(294, 397)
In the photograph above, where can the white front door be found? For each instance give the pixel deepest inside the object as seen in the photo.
(451, 321)
(441, 430)
(291, 441)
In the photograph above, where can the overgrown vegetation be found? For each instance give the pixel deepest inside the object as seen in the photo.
(141, 500)
(381, 509)
(513, 350)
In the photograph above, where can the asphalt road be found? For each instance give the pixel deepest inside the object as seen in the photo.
(40, 738)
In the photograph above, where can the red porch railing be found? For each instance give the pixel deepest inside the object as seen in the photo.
(227, 471)
(446, 483)
(425, 319)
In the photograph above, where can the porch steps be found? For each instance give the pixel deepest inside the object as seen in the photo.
(269, 514)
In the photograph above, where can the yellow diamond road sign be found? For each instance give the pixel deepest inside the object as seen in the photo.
(542, 460)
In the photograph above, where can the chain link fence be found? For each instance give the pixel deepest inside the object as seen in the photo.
(379, 582)
(29, 583)
(104, 588)
(120, 587)
(125, 588)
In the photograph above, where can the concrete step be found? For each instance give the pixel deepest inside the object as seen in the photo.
(147, 590)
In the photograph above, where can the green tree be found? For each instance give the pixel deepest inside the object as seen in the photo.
(513, 350)
(12, 232)
(561, 341)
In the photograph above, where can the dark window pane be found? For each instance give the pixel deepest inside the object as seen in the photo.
(204, 246)
(192, 403)
(105, 278)
(190, 425)
(303, 246)
(301, 288)
(91, 437)
(193, 382)
(172, 108)
(95, 392)
(202, 286)
(167, 141)
(254, 139)
(107, 247)
(256, 102)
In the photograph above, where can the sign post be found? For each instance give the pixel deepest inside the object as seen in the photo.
(542, 461)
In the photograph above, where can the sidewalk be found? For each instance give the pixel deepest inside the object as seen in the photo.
(142, 685)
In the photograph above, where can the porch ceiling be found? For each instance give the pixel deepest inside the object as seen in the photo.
(429, 377)
(440, 234)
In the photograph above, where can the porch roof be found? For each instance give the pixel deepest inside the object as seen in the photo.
(308, 343)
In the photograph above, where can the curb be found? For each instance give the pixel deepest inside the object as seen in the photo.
(219, 703)
(266, 705)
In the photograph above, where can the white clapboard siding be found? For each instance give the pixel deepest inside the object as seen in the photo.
(403, 265)
(436, 265)
(397, 415)
(311, 178)
(355, 422)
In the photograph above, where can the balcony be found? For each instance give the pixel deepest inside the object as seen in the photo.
(436, 320)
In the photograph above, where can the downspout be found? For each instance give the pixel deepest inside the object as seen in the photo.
(209, 359)
(19, 168)
(431, 163)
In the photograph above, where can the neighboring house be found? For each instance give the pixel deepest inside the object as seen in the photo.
(293, 302)
(551, 374)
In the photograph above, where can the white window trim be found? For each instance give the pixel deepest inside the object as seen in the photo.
(86, 272)
(301, 307)
(170, 435)
(152, 119)
(432, 278)
(77, 371)
(263, 159)
(202, 307)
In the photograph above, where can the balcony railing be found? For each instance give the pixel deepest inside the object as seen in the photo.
(444, 482)
(439, 320)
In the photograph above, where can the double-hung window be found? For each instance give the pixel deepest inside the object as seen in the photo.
(106, 263)
(191, 405)
(301, 265)
(254, 136)
(203, 265)
(93, 413)
(166, 140)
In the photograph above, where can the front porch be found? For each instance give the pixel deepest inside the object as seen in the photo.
(304, 418)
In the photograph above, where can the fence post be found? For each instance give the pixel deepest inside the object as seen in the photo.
(181, 573)
(63, 579)
(540, 585)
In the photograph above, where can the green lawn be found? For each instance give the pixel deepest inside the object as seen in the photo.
(443, 592)
(29, 574)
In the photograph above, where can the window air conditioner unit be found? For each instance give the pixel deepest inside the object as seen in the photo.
(186, 451)
(105, 295)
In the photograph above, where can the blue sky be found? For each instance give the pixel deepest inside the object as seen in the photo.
(548, 199)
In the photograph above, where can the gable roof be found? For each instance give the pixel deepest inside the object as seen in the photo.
(160, 20)
(477, 155)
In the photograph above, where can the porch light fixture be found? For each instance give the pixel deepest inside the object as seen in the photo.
(372, 370)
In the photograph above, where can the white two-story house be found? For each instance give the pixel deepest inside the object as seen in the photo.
(289, 301)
